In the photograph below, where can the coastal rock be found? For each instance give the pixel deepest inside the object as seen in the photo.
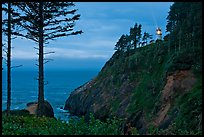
(32, 108)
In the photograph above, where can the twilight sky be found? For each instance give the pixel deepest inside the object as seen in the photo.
(102, 23)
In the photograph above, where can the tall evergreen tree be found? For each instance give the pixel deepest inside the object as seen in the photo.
(184, 23)
(9, 59)
(8, 28)
(121, 45)
(146, 36)
(135, 34)
(45, 21)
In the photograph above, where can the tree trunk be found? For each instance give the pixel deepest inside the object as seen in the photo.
(9, 61)
(41, 69)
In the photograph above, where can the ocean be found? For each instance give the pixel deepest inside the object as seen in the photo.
(60, 84)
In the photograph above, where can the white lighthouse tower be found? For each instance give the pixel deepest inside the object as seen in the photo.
(158, 34)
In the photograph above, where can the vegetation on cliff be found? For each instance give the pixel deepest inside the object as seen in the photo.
(158, 86)
(133, 87)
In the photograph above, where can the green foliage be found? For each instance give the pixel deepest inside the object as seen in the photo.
(95, 126)
(136, 34)
(134, 131)
(152, 130)
(32, 125)
(115, 104)
(144, 96)
(121, 45)
(185, 25)
(174, 130)
(151, 75)
(146, 36)
(190, 109)
(185, 60)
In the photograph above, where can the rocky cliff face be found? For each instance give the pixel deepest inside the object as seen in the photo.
(144, 87)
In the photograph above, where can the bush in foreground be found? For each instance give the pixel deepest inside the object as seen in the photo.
(32, 125)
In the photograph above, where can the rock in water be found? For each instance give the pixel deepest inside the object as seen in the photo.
(32, 108)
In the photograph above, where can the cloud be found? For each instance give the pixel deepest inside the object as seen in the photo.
(79, 54)
(23, 54)
(72, 48)
(89, 44)
(63, 53)
(78, 47)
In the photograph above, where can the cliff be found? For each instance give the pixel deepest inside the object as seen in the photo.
(147, 87)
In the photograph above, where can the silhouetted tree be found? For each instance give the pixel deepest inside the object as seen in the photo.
(128, 41)
(121, 45)
(8, 29)
(44, 21)
(146, 36)
(9, 60)
(135, 34)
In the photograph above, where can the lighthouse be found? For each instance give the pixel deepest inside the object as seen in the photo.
(158, 34)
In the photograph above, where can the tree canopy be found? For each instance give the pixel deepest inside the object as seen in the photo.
(184, 23)
(58, 20)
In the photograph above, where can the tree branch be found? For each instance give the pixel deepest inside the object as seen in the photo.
(47, 60)
(36, 48)
(48, 52)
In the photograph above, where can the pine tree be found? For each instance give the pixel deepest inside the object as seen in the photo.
(135, 34)
(8, 29)
(146, 36)
(9, 60)
(45, 21)
(121, 45)
(184, 23)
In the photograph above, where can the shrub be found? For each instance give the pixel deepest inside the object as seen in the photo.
(32, 125)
